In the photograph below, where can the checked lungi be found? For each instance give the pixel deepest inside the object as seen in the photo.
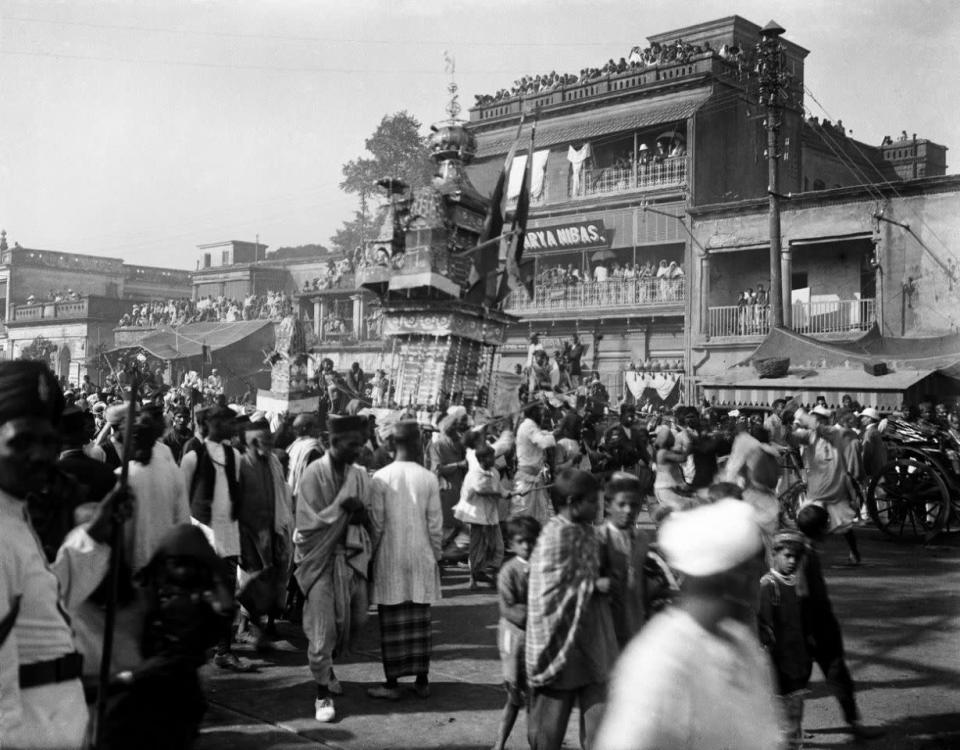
(406, 639)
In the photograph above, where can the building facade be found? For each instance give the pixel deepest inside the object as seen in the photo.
(648, 212)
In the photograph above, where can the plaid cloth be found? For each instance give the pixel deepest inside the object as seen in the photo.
(406, 639)
(563, 571)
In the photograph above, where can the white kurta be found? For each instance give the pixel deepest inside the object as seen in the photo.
(160, 503)
(50, 715)
(408, 533)
(678, 686)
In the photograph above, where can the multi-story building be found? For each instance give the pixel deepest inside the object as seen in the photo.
(69, 304)
(619, 158)
(649, 191)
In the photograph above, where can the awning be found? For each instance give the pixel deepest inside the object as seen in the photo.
(661, 110)
(940, 353)
(188, 340)
(741, 386)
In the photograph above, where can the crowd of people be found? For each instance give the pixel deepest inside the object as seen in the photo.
(332, 275)
(209, 309)
(638, 60)
(55, 295)
(616, 282)
(691, 629)
(753, 311)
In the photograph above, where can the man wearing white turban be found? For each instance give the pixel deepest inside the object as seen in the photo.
(696, 677)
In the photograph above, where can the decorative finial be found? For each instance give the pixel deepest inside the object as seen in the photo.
(3, 239)
(450, 67)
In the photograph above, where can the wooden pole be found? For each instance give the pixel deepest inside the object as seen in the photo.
(116, 539)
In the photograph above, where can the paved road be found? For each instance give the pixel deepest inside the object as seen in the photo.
(900, 612)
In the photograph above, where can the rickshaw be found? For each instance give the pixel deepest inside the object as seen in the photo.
(916, 494)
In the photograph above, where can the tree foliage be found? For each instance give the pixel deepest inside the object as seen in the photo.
(299, 251)
(396, 149)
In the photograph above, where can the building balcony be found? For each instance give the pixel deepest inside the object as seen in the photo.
(809, 318)
(616, 296)
(654, 175)
(99, 308)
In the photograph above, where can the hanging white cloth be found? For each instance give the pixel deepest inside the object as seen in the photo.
(539, 169)
(577, 158)
(516, 177)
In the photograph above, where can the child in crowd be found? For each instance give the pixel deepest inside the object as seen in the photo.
(480, 497)
(782, 628)
(821, 623)
(571, 645)
(623, 550)
(512, 583)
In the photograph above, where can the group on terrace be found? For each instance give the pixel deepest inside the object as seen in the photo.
(209, 309)
(640, 281)
(637, 60)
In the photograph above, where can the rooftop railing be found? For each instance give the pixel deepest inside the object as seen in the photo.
(810, 318)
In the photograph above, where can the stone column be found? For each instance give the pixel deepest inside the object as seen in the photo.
(317, 312)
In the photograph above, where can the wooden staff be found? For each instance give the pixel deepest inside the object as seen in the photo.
(116, 539)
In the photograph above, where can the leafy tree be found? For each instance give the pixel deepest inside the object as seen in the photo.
(397, 149)
(40, 349)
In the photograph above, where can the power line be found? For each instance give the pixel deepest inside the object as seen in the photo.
(285, 38)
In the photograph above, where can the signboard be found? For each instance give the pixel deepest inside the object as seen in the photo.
(576, 236)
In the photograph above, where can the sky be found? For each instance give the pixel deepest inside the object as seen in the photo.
(140, 129)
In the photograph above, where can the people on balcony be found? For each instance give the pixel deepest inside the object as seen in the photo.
(611, 284)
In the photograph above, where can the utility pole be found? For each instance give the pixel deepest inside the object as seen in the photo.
(770, 54)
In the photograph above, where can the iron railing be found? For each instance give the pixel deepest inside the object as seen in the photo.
(832, 316)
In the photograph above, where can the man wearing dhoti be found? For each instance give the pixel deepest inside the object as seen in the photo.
(531, 496)
(332, 551)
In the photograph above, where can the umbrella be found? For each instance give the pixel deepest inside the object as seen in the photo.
(671, 134)
(602, 255)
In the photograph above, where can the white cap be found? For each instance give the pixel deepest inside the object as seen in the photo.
(735, 413)
(870, 412)
(710, 539)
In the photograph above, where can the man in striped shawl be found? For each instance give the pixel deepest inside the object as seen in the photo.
(571, 644)
(333, 553)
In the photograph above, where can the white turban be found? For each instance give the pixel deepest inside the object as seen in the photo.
(710, 539)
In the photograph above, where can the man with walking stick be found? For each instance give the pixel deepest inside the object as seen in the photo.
(41, 697)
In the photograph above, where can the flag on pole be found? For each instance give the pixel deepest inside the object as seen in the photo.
(512, 277)
(486, 261)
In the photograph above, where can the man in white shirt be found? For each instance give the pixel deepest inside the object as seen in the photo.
(407, 523)
(41, 698)
(531, 497)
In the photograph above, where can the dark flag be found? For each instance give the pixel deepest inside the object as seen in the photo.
(485, 260)
(512, 277)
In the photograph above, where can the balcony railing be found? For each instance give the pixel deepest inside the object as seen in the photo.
(651, 176)
(832, 316)
(616, 294)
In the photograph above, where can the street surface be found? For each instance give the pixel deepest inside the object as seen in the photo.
(900, 613)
